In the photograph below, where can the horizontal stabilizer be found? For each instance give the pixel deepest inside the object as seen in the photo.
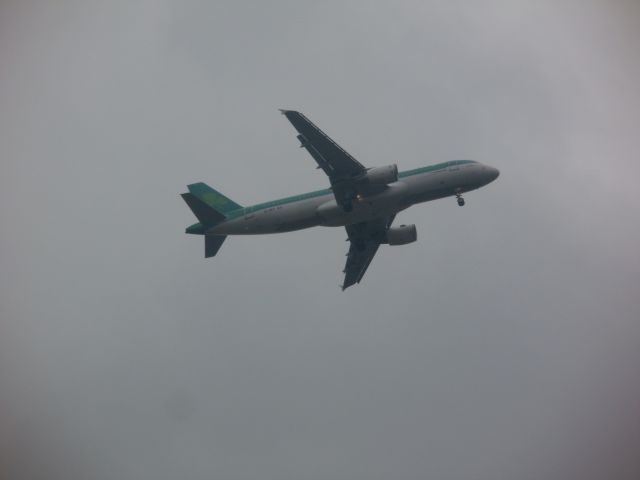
(205, 214)
(212, 244)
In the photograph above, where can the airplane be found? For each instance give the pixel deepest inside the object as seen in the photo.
(363, 200)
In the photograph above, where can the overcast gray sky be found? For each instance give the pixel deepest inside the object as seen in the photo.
(503, 344)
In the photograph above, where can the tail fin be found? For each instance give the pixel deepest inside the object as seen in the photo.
(213, 198)
(211, 208)
(204, 213)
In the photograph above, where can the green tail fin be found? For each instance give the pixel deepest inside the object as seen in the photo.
(213, 198)
(205, 214)
(211, 208)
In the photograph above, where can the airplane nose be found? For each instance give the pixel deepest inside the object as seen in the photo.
(493, 173)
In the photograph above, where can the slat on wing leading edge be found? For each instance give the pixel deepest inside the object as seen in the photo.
(331, 157)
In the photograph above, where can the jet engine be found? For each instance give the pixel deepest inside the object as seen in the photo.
(401, 235)
(381, 175)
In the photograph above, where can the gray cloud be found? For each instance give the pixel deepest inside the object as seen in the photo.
(503, 343)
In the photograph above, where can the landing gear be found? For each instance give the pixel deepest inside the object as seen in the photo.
(460, 199)
(346, 200)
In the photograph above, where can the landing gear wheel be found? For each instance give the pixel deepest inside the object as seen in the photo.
(460, 200)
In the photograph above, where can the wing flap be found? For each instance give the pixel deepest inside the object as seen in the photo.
(365, 239)
(332, 158)
(357, 263)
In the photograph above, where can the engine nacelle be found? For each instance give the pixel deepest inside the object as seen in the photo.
(381, 175)
(401, 235)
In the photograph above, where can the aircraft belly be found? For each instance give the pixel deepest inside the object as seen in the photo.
(357, 216)
(389, 202)
(442, 183)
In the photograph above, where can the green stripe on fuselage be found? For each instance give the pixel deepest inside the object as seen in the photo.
(281, 201)
(433, 168)
(327, 191)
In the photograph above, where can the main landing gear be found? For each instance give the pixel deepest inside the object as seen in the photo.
(460, 199)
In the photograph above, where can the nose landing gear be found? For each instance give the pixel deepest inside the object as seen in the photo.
(460, 199)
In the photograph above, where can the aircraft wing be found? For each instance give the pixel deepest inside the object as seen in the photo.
(341, 168)
(364, 239)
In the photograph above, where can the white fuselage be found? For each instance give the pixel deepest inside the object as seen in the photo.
(321, 209)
